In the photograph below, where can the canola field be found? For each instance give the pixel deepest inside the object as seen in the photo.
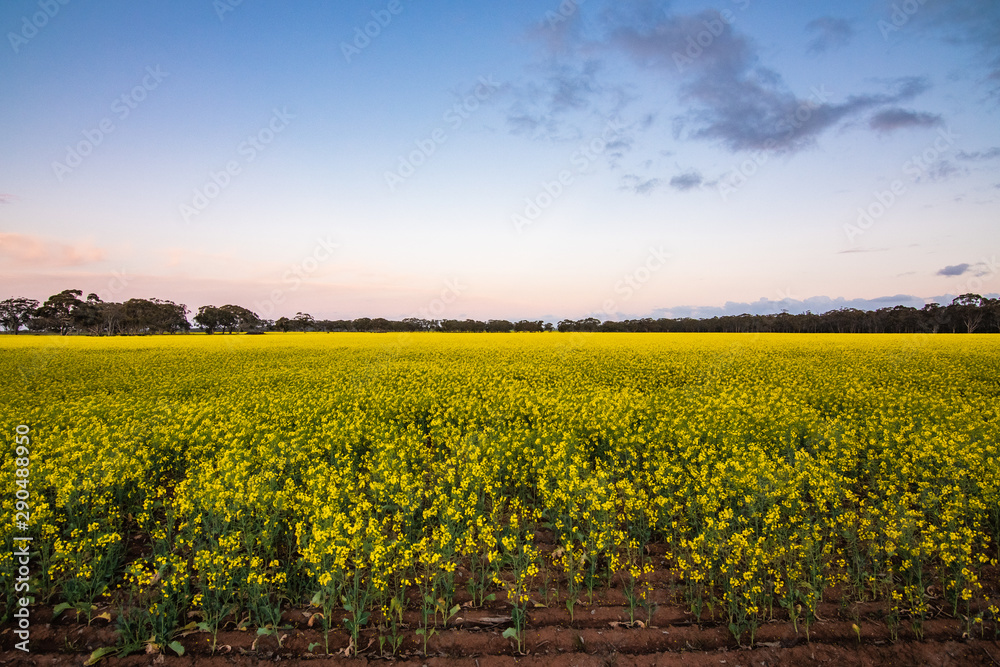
(196, 483)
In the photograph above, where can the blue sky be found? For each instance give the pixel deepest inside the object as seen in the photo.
(535, 159)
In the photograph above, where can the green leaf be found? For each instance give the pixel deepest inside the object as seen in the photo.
(99, 654)
(176, 647)
(510, 633)
(348, 607)
(491, 597)
(204, 627)
(264, 631)
(60, 608)
(312, 646)
(317, 599)
(420, 631)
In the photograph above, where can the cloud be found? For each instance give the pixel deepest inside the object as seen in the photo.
(733, 99)
(830, 33)
(942, 170)
(957, 270)
(34, 251)
(558, 104)
(726, 93)
(686, 181)
(966, 23)
(979, 269)
(857, 250)
(978, 156)
(639, 185)
(816, 304)
(617, 148)
(6, 199)
(890, 120)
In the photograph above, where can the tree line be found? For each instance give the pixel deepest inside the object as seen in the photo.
(69, 312)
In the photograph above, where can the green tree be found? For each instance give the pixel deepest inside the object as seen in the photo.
(17, 312)
(969, 310)
(59, 312)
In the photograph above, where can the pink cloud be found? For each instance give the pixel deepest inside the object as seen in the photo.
(6, 199)
(36, 251)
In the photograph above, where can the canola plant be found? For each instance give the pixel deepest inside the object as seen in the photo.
(225, 479)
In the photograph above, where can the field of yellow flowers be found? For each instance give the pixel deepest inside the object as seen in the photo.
(388, 483)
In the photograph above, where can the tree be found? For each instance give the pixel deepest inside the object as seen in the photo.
(527, 325)
(969, 310)
(499, 326)
(59, 311)
(17, 312)
(418, 324)
(229, 318)
(238, 317)
(932, 316)
(992, 308)
(88, 316)
(304, 322)
(210, 318)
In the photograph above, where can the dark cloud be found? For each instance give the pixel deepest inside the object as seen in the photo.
(957, 270)
(967, 23)
(560, 30)
(732, 98)
(728, 95)
(617, 148)
(890, 120)
(686, 181)
(829, 33)
(976, 156)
